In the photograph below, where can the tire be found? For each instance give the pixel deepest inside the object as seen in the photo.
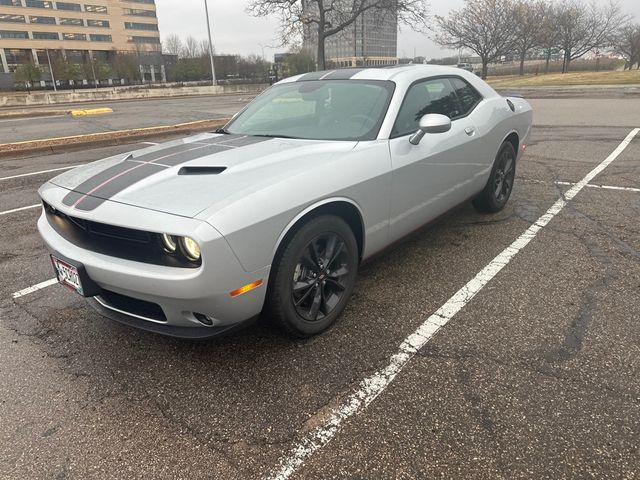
(498, 189)
(308, 290)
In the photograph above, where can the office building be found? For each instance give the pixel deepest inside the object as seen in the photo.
(80, 32)
(372, 40)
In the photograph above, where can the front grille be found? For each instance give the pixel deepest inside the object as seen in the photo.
(110, 231)
(120, 242)
(133, 306)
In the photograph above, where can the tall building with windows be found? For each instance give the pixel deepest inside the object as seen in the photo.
(372, 40)
(82, 32)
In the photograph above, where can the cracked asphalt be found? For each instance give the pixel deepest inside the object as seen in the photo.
(537, 377)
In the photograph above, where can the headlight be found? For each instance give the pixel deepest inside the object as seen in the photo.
(191, 248)
(169, 242)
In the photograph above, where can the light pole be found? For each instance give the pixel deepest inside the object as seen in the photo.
(213, 69)
(53, 79)
(93, 70)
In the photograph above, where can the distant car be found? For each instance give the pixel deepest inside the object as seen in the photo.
(276, 211)
(466, 66)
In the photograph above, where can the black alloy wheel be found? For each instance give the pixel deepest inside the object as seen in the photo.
(498, 189)
(312, 276)
(504, 176)
(320, 277)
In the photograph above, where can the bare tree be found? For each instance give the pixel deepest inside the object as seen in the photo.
(583, 29)
(548, 37)
(482, 26)
(191, 48)
(173, 45)
(325, 18)
(626, 42)
(528, 16)
(204, 48)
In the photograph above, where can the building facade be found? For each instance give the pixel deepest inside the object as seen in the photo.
(80, 32)
(372, 40)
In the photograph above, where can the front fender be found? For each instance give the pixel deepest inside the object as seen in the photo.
(315, 206)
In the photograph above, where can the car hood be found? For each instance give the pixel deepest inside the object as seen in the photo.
(185, 177)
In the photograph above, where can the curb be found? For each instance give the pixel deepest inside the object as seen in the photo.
(34, 114)
(572, 91)
(154, 94)
(119, 137)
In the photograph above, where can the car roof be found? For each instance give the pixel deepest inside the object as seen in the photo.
(402, 75)
(392, 72)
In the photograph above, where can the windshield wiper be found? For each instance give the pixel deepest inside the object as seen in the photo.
(222, 130)
(270, 135)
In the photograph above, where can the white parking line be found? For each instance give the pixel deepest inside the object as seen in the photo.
(34, 288)
(374, 385)
(40, 172)
(604, 187)
(7, 212)
(149, 143)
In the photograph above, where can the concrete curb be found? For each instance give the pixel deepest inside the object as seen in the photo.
(573, 91)
(48, 98)
(34, 114)
(119, 137)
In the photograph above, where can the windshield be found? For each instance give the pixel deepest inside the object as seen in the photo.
(317, 110)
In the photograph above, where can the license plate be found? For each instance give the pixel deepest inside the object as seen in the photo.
(68, 275)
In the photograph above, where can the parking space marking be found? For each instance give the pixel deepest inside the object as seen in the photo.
(150, 143)
(7, 212)
(604, 187)
(40, 172)
(372, 386)
(34, 288)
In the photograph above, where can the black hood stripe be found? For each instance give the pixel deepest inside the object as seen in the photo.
(109, 189)
(133, 169)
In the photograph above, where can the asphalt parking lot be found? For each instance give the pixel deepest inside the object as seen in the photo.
(536, 376)
(126, 114)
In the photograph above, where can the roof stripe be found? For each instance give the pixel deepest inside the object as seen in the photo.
(341, 74)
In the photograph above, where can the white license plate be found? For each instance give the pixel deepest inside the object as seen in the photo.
(67, 275)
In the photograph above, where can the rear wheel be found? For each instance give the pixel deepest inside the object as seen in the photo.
(498, 189)
(313, 277)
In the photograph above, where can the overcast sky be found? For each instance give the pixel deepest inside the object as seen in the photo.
(234, 31)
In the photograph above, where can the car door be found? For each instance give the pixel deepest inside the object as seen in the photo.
(437, 174)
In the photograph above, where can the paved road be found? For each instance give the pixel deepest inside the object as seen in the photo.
(536, 377)
(126, 114)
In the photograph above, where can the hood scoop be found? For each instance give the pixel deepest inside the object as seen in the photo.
(201, 170)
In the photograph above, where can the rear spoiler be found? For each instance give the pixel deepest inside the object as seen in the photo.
(511, 94)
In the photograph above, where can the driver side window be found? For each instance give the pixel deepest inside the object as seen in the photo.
(431, 96)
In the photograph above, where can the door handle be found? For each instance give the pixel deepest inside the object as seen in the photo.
(470, 131)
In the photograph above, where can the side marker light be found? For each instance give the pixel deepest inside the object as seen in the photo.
(246, 288)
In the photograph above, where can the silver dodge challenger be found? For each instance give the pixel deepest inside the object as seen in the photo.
(274, 212)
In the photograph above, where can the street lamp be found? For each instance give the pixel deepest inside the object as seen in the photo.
(213, 69)
(53, 79)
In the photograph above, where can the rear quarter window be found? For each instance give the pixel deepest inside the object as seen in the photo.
(468, 97)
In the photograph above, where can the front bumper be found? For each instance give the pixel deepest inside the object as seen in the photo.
(179, 292)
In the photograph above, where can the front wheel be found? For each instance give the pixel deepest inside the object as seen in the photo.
(313, 277)
(498, 189)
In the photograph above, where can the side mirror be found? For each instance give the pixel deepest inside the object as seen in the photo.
(431, 123)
